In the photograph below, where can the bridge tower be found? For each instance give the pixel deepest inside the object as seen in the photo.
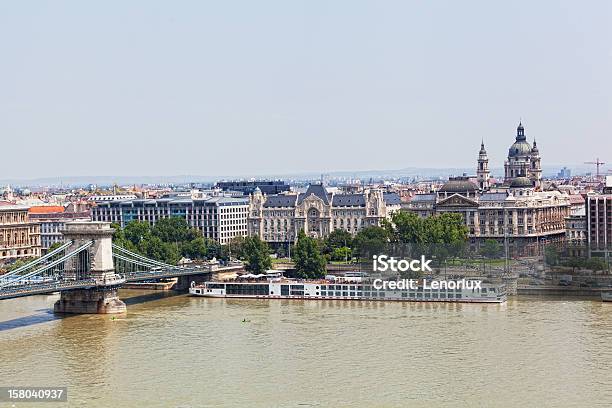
(94, 264)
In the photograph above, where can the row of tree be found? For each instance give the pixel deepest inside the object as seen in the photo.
(172, 238)
(554, 257)
(167, 241)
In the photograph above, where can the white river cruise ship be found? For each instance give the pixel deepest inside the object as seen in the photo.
(342, 290)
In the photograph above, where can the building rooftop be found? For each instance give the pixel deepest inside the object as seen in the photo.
(423, 197)
(317, 190)
(178, 201)
(348, 200)
(493, 197)
(392, 198)
(458, 185)
(46, 209)
(281, 200)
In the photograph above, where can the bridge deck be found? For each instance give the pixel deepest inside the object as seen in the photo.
(60, 285)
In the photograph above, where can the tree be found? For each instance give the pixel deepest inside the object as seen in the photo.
(575, 262)
(236, 246)
(136, 232)
(174, 229)
(447, 228)
(338, 238)
(596, 264)
(257, 254)
(406, 227)
(216, 250)
(370, 241)
(341, 254)
(409, 228)
(307, 257)
(156, 249)
(491, 249)
(551, 255)
(194, 249)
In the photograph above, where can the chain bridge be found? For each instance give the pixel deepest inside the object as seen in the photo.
(87, 270)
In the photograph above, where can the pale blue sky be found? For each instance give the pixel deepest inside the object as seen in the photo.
(260, 87)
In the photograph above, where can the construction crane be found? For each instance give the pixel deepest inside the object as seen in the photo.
(597, 163)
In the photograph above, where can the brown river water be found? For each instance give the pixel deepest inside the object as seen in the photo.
(181, 351)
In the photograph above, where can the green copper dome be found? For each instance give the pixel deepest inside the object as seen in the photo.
(521, 182)
(520, 147)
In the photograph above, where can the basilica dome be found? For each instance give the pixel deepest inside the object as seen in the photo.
(519, 148)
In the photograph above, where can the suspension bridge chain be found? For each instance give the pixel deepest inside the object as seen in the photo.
(48, 273)
(143, 258)
(27, 278)
(136, 267)
(36, 261)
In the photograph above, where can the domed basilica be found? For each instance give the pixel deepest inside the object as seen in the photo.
(523, 168)
(518, 208)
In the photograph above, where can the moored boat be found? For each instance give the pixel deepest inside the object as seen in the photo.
(421, 291)
(606, 296)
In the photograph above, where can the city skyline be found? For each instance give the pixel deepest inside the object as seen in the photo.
(206, 88)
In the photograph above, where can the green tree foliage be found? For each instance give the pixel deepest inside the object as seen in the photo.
(307, 257)
(236, 246)
(217, 251)
(338, 238)
(341, 254)
(491, 249)
(439, 236)
(256, 254)
(574, 262)
(408, 227)
(371, 240)
(18, 264)
(137, 232)
(174, 229)
(167, 241)
(195, 248)
(155, 248)
(596, 264)
(551, 255)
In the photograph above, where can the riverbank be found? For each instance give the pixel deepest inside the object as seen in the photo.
(570, 292)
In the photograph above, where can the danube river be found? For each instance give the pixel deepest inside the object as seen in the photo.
(181, 351)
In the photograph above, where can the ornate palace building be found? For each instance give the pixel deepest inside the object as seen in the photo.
(278, 218)
(519, 209)
(19, 236)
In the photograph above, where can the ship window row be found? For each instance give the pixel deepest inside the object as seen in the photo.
(370, 288)
(245, 289)
(415, 295)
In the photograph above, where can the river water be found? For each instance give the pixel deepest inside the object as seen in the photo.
(181, 351)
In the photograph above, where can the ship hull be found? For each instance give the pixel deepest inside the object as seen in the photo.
(354, 292)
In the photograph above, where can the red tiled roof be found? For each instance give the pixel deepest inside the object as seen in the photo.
(46, 209)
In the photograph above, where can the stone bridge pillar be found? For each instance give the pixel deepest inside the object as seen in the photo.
(95, 263)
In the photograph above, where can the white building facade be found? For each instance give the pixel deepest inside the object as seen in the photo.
(279, 218)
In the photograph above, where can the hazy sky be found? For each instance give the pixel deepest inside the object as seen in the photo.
(259, 87)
